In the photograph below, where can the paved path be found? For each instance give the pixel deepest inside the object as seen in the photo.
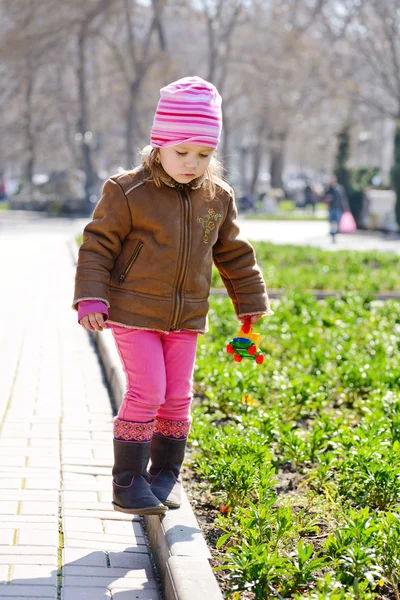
(59, 538)
(316, 234)
(310, 233)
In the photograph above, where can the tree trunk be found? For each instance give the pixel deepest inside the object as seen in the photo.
(276, 169)
(277, 161)
(83, 123)
(225, 145)
(257, 156)
(131, 116)
(395, 173)
(158, 7)
(212, 60)
(29, 135)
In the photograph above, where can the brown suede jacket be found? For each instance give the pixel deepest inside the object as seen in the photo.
(148, 254)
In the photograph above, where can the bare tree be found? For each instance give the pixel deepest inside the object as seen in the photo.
(377, 55)
(222, 18)
(36, 33)
(378, 75)
(134, 54)
(281, 65)
(290, 75)
(83, 123)
(26, 54)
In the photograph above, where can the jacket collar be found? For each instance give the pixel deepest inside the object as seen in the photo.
(170, 182)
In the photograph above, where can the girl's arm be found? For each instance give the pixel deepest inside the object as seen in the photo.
(102, 242)
(86, 307)
(93, 321)
(92, 315)
(253, 318)
(236, 262)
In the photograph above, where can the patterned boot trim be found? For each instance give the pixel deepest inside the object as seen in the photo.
(130, 431)
(177, 430)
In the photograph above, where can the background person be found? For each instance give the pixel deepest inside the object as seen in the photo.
(335, 197)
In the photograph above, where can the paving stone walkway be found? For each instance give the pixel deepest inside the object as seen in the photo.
(316, 234)
(59, 537)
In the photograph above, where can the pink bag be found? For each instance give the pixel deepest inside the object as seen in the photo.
(347, 223)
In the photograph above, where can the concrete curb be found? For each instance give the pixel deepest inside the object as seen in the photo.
(178, 546)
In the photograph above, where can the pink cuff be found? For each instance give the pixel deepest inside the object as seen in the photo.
(89, 306)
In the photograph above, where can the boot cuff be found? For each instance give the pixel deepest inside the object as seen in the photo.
(177, 430)
(132, 431)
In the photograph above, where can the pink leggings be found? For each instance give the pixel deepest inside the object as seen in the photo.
(159, 373)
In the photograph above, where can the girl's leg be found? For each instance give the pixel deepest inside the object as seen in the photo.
(179, 357)
(173, 417)
(142, 358)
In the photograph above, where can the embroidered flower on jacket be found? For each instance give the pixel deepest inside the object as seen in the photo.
(208, 222)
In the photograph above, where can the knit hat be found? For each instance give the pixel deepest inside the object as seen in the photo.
(189, 110)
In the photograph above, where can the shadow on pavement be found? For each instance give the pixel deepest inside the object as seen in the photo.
(124, 575)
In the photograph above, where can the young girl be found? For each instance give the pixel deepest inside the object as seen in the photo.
(144, 270)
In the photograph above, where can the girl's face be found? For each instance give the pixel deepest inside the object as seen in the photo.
(185, 162)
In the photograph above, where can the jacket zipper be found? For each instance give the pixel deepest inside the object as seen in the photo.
(132, 259)
(184, 255)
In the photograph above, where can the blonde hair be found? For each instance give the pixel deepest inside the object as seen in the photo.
(151, 162)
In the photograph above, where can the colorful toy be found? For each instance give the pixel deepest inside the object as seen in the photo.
(246, 345)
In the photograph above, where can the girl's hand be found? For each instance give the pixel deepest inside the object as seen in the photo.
(253, 318)
(93, 321)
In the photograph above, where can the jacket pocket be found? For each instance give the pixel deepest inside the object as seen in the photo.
(130, 262)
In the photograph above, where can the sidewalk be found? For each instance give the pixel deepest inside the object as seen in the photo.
(59, 537)
(316, 234)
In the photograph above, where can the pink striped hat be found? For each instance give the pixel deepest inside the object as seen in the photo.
(189, 110)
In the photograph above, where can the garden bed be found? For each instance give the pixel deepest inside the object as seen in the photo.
(297, 461)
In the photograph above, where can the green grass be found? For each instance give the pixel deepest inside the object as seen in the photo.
(4, 206)
(302, 454)
(305, 268)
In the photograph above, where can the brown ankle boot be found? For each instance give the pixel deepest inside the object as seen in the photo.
(131, 487)
(167, 453)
